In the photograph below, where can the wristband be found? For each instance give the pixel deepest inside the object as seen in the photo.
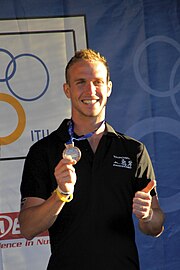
(63, 192)
(63, 197)
(147, 219)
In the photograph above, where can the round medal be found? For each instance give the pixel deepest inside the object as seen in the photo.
(72, 151)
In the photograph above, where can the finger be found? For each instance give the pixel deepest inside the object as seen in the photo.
(149, 186)
(69, 159)
(65, 162)
(64, 171)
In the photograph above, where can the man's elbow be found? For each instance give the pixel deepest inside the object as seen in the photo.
(25, 229)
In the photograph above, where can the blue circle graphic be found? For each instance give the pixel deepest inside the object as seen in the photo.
(12, 61)
(136, 64)
(171, 85)
(7, 78)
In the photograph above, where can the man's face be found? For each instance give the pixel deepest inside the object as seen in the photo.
(88, 89)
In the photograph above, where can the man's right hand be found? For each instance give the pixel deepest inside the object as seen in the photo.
(65, 174)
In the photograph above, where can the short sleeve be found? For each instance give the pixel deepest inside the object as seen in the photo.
(145, 172)
(35, 175)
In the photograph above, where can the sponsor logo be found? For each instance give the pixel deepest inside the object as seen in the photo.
(122, 162)
(9, 227)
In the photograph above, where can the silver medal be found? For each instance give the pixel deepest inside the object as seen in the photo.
(72, 151)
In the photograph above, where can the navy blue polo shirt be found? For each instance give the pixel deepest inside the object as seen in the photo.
(95, 230)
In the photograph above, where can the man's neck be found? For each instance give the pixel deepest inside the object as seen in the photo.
(84, 127)
(90, 125)
(98, 127)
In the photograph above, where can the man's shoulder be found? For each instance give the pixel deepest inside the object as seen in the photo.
(124, 138)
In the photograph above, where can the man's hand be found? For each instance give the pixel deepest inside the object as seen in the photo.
(65, 174)
(142, 201)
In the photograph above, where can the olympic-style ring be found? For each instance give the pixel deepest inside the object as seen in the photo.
(9, 73)
(171, 85)
(137, 57)
(154, 124)
(21, 119)
(12, 61)
(173, 89)
(7, 78)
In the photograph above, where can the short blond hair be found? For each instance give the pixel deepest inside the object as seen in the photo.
(87, 55)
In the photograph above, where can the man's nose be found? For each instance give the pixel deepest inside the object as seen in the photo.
(91, 88)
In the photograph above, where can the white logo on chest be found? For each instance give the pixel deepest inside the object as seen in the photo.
(122, 162)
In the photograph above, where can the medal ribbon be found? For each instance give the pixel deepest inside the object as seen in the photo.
(84, 137)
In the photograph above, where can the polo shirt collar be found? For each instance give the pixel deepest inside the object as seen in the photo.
(62, 131)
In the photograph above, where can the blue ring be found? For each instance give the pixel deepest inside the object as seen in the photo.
(7, 80)
(136, 65)
(14, 65)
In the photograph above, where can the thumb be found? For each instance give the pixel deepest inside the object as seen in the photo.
(149, 186)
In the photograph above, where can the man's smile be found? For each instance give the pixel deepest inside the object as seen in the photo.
(89, 101)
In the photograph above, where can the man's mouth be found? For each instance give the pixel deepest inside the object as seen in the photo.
(89, 101)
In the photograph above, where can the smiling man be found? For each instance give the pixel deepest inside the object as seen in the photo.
(84, 180)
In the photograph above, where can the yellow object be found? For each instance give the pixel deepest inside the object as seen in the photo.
(62, 197)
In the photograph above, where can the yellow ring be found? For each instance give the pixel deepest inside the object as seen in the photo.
(21, 119)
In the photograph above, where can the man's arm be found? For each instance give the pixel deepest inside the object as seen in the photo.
(37, 215)
(148, 211)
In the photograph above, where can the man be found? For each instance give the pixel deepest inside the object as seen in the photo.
(83, 181)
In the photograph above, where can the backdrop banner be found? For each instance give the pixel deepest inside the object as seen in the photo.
(141, 41)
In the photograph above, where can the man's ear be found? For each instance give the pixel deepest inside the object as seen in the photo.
(109, 88)
(66, 90)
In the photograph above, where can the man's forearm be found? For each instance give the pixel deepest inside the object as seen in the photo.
(38, 218)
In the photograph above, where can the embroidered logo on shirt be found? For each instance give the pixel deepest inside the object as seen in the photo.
(122, 162)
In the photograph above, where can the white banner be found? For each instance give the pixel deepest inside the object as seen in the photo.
(33, 55)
